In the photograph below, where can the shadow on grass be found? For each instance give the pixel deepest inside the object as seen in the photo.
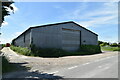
(8, 67)
(21, 72)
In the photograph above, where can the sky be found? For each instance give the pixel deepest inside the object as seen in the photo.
(99, 17)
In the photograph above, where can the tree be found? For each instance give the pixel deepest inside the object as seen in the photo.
(114, 45)
(5, 5)
(119, 44)
(100, 42)
(104, 44)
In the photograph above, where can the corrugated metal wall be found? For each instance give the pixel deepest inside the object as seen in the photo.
(19, 41)
(47, 37)
(27, 38)
(23, 40)
(56, 36)
(65, 36)
(87, 37)
(70, 39)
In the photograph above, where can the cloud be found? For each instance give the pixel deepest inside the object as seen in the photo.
(4, 23)
(109, 39)
(14, 7)
(76, 13)
(100, 20)
(5, 40)
(106, 13)
(66, 0)
(17, 34)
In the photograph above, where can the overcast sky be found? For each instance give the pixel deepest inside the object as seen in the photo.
(99, 17)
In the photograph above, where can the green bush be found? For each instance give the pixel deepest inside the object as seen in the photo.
(91, 49)
(3, 45)
(117, 49)
(114, 45)
(49, 52)
(104, 44)
(24, 51)
(46, 52)
(52, 52)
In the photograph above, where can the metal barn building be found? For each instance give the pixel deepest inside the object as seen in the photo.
(66, 35)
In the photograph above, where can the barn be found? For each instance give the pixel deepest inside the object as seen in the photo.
(65, 35)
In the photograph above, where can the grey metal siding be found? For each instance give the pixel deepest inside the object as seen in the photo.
(20, 41)
(47, 37)
(23, 40)
(87, 37)
(53, 36)
(27, 39)
(70, 39)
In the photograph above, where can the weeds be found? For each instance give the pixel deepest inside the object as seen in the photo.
(52, 52)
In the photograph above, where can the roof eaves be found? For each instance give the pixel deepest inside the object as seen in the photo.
(52, 24)
(23, 33)
(55, 24)
(63, 23)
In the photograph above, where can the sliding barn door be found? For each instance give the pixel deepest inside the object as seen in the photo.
(70, 39)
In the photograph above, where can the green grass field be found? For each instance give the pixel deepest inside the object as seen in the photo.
(110, 48)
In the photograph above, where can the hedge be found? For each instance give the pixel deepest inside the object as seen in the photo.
(90, 48)
(24, 51)
(52, 52)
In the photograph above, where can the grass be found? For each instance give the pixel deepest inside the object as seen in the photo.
(110, 48)
(51, 52)
(20, 50)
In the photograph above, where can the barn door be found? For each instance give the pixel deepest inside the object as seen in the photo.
(70, 39)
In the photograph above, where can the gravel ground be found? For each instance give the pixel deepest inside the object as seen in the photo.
(48, 64)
